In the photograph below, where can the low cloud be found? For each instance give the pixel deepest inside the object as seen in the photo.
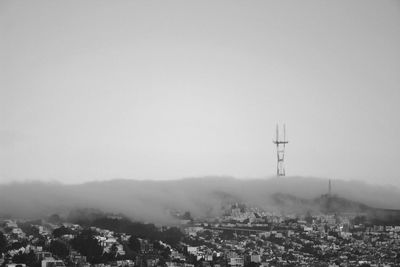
(153, 201)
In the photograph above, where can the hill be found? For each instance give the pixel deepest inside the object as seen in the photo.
(153, 201)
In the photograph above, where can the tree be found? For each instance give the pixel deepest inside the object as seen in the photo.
(227, 235)
(26, 258)
(114, 250)
(18, 245)
(111, 255)
(206, 234)
(252, 264)
(29, 229)
(250, 245)
(187, 216)
(39, 241)
(87, 245)
(134, 244)
(59, 232)
(165, 253)
(3, 242)
(359, 220)
(124, 225)
(172, 236)
(308, 218)
(59, 248)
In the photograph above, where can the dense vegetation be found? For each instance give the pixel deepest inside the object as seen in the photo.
(86, 243)
(171, 236)
(3, 242)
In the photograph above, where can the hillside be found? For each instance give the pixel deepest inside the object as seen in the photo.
(154, 200)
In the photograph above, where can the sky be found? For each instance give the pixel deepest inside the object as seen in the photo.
(97, 90)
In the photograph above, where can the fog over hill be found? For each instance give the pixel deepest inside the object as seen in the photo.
(152, 201)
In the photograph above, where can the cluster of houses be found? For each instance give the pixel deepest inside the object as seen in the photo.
(240, 239)
(276, 240)
(21, 243)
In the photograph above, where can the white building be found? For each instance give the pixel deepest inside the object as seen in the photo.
(236, 261)
(52, 263)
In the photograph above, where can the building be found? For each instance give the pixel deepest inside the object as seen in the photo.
(255, 258)
(52, 263)
(236, 261)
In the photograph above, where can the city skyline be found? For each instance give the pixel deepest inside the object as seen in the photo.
(97, 90)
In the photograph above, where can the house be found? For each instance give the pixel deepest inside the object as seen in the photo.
(255, 258)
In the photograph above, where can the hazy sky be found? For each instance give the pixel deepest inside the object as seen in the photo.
(93, 90)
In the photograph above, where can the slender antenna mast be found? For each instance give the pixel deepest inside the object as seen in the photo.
(280, 151)
(329, 188)
(284, 132)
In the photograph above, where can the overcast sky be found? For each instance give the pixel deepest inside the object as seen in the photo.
(94, 90)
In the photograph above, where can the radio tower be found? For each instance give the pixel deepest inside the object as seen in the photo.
(280, 151)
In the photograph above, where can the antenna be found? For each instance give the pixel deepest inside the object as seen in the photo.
(330, 188)
(284, 132)
(280, 151)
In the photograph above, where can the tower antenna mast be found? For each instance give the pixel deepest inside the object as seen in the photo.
(329, 188)
(280, 151)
